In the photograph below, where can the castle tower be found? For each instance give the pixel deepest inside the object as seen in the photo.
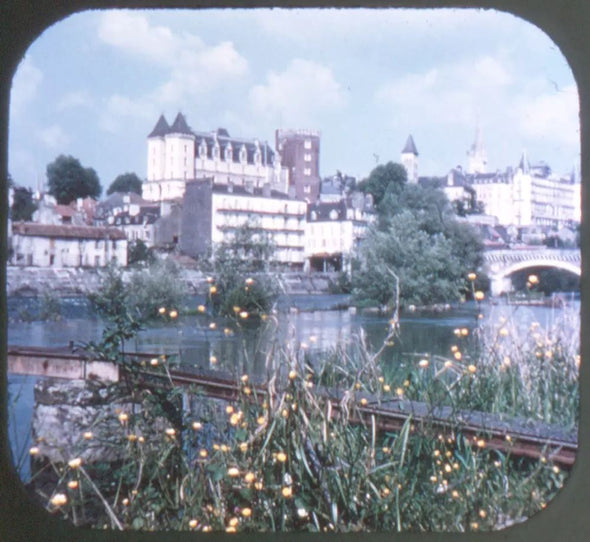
(180, 151)
(410, 160)
(300, 153)
(478, 158)
(157, 150)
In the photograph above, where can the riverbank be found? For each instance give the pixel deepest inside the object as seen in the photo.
(39, 281)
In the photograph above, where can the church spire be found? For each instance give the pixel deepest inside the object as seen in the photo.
(478, 158)
(524, 164)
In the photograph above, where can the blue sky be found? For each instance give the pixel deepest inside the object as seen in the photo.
(94, 85)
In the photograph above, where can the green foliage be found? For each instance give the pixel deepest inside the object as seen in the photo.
(68, 180)
(139, 252)
(126, 182)
(428, 270)
(23, 206)
(385, 179)
(142, 294)
(241, 266)
(282, 458)
(127, 305)
(159, 285)
(418, 239)
(343, 284)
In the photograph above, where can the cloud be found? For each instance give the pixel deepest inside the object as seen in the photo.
(298, 94)
(553, 116)
(73, 100)
(448, 94)
(189, 65)
(132, 33)
(25, 85)
(514, 112)
(53, 137)
(313, 27)
(119, 109)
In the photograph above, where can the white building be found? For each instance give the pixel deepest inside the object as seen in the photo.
(177, 154)
(409, 159)
(130, 213)
(51, 245)
(334, 231)
(528, 195)
(211, 214)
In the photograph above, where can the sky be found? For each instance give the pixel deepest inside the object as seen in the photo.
(94, 84)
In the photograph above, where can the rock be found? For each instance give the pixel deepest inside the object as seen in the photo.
(78, 418)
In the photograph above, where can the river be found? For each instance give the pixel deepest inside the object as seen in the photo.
(313, 322)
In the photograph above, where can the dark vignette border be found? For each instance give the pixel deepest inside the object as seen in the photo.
(567, 23)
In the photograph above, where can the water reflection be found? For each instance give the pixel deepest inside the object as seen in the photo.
(243, 347)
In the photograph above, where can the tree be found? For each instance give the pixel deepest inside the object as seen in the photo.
(126, 182)
(248, 252)
(69, 180)
(23, 205)
(139, 253)
(389, 178)
(428, 270)
(418, 239)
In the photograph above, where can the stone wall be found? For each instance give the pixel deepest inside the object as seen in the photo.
(78, 281)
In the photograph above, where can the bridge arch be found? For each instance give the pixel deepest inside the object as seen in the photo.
(572, 267)
(503, 264)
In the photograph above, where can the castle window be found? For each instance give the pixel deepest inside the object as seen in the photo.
(307, 144)
(307, 157)
(307, 171)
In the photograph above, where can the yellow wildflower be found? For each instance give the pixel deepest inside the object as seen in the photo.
(287, 492)
(59, 499)
(75, 463)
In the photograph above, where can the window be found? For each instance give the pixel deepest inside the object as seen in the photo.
(307, 171)
(307, 144)
(307, 157)
(307, 189)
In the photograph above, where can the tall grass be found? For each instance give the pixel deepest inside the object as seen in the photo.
(287, 459)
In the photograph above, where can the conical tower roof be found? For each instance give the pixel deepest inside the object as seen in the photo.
(410, 147)
(524, 164)
(161, 128)
(180, 126)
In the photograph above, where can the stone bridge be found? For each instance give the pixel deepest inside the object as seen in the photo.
(500, 264)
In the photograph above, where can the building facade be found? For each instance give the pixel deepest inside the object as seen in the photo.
(130, 213)
(524, 196)
(177, 154)
(335, 230)
(300, 152)
(51, 245)
(211, 214)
